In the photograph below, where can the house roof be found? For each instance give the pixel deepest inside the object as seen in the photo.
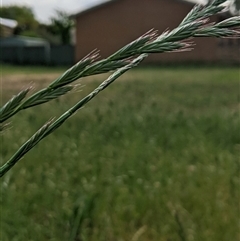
(15, 41)
(92, 7)
(106, 2)
(10, 23)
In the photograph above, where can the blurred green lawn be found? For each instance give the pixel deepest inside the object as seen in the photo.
(7, 69)
(153, 157)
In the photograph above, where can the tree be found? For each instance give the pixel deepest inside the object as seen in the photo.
(62, 25)
(23, 15)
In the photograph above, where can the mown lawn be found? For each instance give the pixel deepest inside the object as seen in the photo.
(155, 157)
(7, 69)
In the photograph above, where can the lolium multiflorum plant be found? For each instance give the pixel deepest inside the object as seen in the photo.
(195, 24)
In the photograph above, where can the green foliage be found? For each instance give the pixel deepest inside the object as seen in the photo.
(62, 26)
(31, 33)
(47, 32)
(157, 156)
(22, 14)
(59, 30)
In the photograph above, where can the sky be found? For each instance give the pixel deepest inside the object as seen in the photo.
(45, 9)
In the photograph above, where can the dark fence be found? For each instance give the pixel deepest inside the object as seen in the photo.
(62, 55)
(38, 55)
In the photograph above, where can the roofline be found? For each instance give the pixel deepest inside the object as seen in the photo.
(112, 1)
(92, 8)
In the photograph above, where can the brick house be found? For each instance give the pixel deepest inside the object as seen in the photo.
(112, 24)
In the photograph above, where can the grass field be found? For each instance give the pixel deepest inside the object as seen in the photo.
(155, 157)
(7, 69)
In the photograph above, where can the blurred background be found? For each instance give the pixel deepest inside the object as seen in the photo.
(33, 34)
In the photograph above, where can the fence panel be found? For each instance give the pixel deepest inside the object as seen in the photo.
(62, 55)
(34, 55)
